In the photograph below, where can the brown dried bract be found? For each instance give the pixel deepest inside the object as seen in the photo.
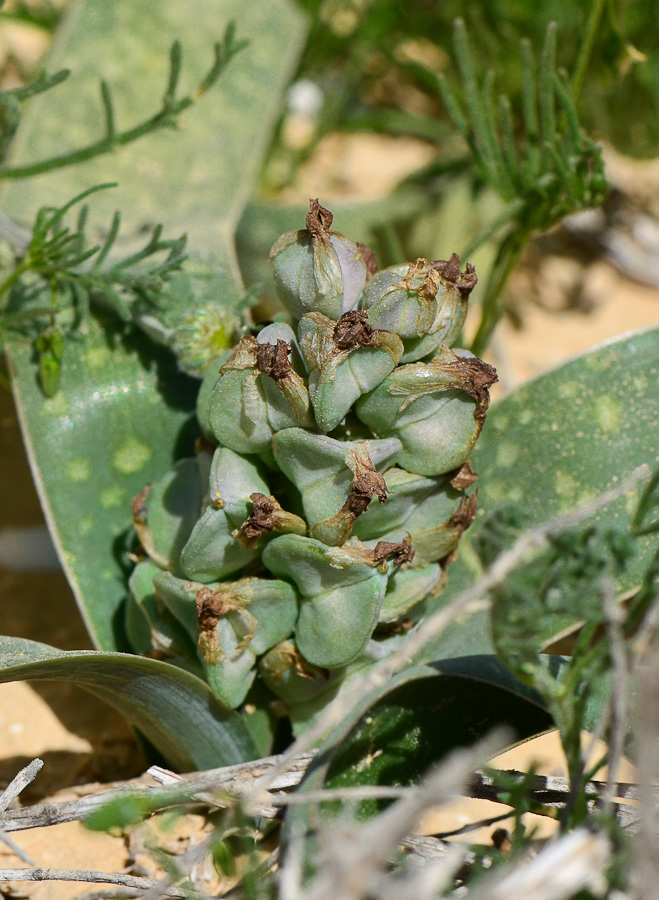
(272, 360)
(138, 505)
(366, 478)
(352, 330)
(319, 221)
(370, 260)
(367, 483)
(463, 478)
(475, 378)
(292, 658)
(465, 514)
(449, 270)
(397, 553)
(260, 521)
(211, 606)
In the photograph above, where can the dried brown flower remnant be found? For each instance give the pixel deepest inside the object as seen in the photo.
(352, 330)
(398, 553)
(449, 270)
(267, 515)
(319, 221)
(272, 360)
(463, 477)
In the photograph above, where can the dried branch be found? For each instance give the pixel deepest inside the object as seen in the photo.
(548, 792)
(131, 881)
(559, 871)
(19, 783)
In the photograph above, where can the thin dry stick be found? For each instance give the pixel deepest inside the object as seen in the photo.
(233, 780)
(19, 783)
(550, 792)
(558, 872)
(619, 677)
(469, 601)
(140, 884)
(353, 857)
(15, 849)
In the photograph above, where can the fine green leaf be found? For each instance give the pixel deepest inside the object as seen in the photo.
(196, 178)
(173, 709)
(120, 417)
(556, 443)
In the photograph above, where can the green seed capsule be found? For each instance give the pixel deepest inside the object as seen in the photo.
(407, 491)
(258, 393)
(149, 625)
(334, 627)
(435, 409)
(318, 269)
(239, 621)
(335, 478)
(342, 590)
(406, 588)
(208, 383)
(292, 678)
(425, 303)
(345, 359)
(211, 553)
(165, 514)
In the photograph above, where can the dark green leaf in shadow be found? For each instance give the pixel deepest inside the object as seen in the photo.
(174, 710)
(394, 736)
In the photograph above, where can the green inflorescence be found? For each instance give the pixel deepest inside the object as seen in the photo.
(332, 484)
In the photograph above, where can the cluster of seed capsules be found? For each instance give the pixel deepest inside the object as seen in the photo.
(329, 492)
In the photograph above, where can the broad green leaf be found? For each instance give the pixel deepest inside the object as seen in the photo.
(196, 178)
(560, 441)
(122, 413)
(116, 424)
(173, 709)
(394, 736)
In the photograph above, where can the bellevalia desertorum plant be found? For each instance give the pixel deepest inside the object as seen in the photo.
(330, 490)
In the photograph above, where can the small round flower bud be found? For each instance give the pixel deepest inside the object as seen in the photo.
(425, 303)
(320, 270)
